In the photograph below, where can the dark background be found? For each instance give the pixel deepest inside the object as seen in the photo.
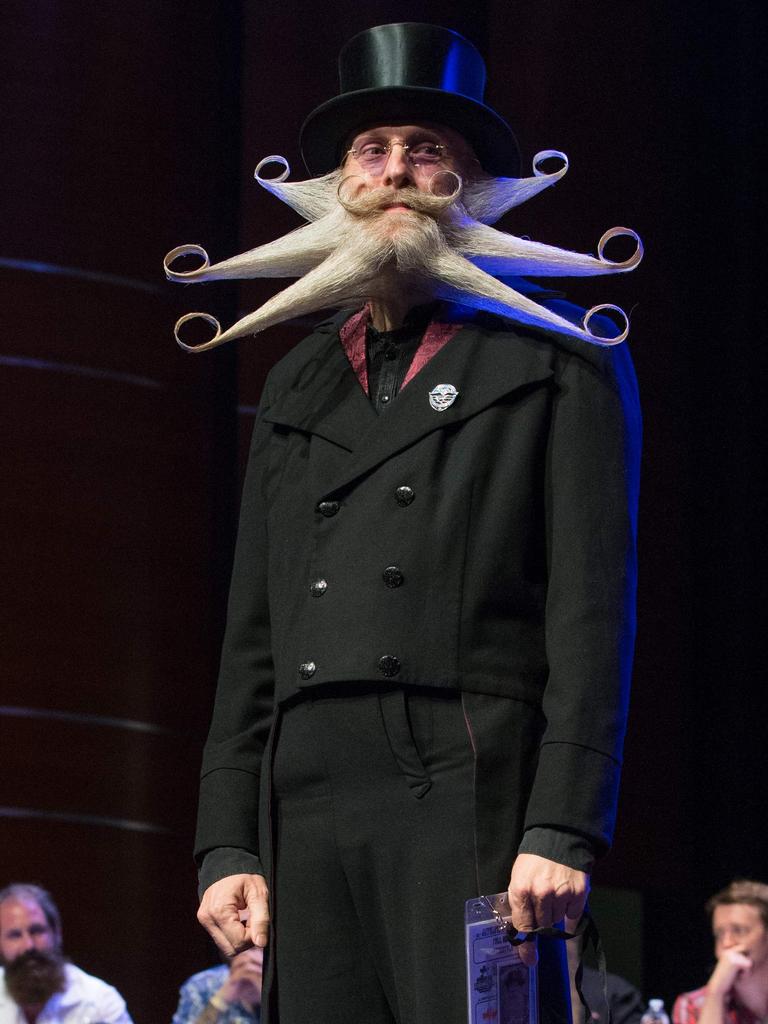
(131, 128)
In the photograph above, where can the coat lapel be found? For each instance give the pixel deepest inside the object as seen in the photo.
(327, 398)
(483, 364)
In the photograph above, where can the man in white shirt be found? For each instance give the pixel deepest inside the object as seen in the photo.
(37, 985)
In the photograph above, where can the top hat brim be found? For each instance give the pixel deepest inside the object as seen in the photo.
(331, 125)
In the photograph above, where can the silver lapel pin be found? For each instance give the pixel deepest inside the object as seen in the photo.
(442, 396)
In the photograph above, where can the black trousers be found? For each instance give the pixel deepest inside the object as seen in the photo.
(374, 855)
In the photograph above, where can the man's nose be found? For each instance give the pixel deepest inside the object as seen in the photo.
(397, 170)
(27, 942)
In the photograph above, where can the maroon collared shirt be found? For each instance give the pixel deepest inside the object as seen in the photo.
(386, 361)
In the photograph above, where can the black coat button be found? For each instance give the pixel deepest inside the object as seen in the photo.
(307, 669)
(389, 665)
(393, 577)
(404, 496)
(328, 508)
(318, 588)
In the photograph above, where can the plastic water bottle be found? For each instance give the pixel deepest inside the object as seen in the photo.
(655, 1014)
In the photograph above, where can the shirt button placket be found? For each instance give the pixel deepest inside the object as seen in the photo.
(318, 587)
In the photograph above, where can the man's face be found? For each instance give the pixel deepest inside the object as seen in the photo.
(23, 926)
(739, 926)
(403, 156)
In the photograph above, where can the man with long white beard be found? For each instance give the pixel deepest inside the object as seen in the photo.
(37, 983)
(431, 617)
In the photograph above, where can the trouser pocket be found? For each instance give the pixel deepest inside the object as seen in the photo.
(400, 734)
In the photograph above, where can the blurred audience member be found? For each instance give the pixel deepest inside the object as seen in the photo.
(37, 984)
(737, 990)
(223, 995)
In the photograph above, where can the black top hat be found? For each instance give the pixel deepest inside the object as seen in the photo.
(405, 74)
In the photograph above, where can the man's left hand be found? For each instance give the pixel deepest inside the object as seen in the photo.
(543, 892)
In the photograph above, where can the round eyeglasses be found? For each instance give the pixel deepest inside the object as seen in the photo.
(373, 156)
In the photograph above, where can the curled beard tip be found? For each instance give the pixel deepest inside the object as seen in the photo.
(342, 182)
(550, 154)
(450, 196)
(274, 159)
(311, 199)
(632, 261)
(488, 199)
(204, 346)
(185, 250)
(596, 339)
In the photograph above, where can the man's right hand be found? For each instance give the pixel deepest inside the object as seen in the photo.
(235, 912)
(731, 964)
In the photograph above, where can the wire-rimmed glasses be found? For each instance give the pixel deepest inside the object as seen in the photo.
(374, 154)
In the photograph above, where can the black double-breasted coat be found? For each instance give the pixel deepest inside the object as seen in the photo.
(488, 547)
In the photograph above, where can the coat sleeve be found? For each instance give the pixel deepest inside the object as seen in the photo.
(591, 488)
(227, 829)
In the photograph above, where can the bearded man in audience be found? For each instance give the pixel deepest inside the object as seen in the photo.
(37, 983)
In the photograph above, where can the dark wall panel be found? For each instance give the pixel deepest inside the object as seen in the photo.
(118, 469)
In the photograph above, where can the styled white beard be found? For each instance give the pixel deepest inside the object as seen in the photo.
(354, 249)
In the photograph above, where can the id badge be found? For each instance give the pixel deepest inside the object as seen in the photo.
(501, 989)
